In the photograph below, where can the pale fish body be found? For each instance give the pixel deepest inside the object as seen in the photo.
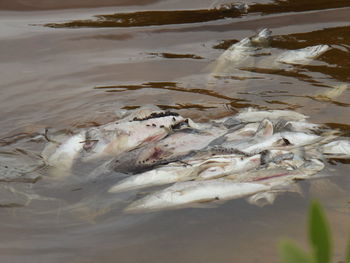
(195, 168)
(253, 115)
(259, 144)
(66, 152)
(221, 166)
(113, 139)
(180, 144)
(281, 174)
(300, 126)
(247, 131)
(337, 149)
(186, 193)
(174, 147)
(162, 175)
(241, 51)
(302, 56)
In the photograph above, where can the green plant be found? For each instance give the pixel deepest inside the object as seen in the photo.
(319, 240)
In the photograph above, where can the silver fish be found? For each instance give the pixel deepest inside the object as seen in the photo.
(337, 149)
(184, 194)
(302, 56)
(200, 169)
(174, 147)
(253, 115)
(115, 138)
(241, 52)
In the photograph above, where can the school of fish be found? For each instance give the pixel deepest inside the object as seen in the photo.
(254, 153)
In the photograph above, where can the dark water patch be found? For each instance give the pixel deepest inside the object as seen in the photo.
(158, 18)
(237, 77)
(180, 106)
(173, 86)
(282, 72)
(16, 137)
(344, 128)
(116, 37)
(288, 105)
(279, 6)
(152, 18)
(176, 56)
(225, 44)
(335, 161)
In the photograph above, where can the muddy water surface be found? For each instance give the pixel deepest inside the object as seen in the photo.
(72, 64)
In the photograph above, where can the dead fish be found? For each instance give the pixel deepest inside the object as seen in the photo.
(256, 145)
(171, 173)
(63, 155)
(113, 139)
(302, 56)
(220, 166)
(337, 149)
(193, 168)
(241, 51)
(253, 115)
(184, 194)
(174, 147)
(284, 173)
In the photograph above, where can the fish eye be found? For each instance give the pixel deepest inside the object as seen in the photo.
(89, 144)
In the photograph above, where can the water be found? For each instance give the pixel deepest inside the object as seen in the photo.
(64, 68)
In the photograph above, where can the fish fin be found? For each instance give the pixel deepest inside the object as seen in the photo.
(332, 94)
(263, 198)
(282, 125)
(265, 128)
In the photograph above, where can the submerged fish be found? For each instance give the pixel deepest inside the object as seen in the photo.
(63, 154)
(193, 168)
(240, 52)
(110, 140)
(185, 194)
(254, 115)
(115, 138)
(337, 149)
(174, 147)
(302, 56)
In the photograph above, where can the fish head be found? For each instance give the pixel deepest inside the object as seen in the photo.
(98, 141)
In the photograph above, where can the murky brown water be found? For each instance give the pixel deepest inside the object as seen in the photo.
(94, 57)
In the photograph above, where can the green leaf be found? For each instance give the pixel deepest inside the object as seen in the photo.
(319, 235)
(290, 253)
(347, 255)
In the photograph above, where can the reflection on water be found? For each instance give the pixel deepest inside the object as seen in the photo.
(70, 79)
(153, 18)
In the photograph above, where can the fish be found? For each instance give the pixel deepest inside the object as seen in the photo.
(174, 147)
(280, 140)
(115, 138)
(241, 51)
(109, 140)
(171, 173)
(189, 169)
(184, 194)
(254, 115)
(337, 149)
(63, 154)
(302, 56)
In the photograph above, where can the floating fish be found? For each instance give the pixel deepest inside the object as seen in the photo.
(200, 169)
(185, 194)
(302, 56)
